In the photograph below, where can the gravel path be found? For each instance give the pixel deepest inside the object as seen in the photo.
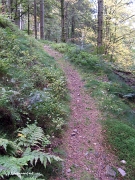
(86, 155)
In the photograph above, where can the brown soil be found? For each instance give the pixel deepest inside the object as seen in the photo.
(86, 155)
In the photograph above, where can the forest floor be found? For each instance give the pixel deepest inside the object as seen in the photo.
(86, 154)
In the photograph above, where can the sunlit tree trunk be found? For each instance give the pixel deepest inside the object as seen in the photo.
(100, 23)
(42, 19)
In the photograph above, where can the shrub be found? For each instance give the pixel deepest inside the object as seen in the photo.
(85, 60)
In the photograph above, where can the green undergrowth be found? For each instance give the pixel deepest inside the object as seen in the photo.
(32, 90)
(118, 112)
(63, 47)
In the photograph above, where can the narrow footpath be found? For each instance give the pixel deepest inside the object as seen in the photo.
(87, 158)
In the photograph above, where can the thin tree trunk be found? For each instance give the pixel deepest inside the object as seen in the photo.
(35, 18)
(17, 14)
(100, 23)
(73, 26)
(66, 22)
(62, 22)
(3, 6)
(28, 18)
(42, 19)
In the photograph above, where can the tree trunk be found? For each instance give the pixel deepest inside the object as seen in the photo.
(17, 15)
(73, 26)
(35, 18)
(100, 23)
(42, 19)
(3, 6)
(28, 19)
(62, 22)
(66, 22)
(9, 8)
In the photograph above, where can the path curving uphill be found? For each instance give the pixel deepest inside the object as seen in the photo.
(86, 156)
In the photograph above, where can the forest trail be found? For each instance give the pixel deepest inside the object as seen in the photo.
(86, 158)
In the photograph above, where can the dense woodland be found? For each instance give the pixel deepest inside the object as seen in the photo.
(108, 25)
(98, 37)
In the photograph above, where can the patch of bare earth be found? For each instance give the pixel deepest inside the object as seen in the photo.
(86, 155)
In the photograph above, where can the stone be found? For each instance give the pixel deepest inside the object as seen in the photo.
(110, 171)
(97, 154)
(75, 130)
(123, 161)
(13, 81)
(104, 156)
(76, 165)
(86, 154)
(68, 170)
(122, 172)
(73, 134)
(35, 98)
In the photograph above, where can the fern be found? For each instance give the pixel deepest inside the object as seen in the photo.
(36, 155)
(28, 176)
(31, 136)
(8, 147)
(11, 165)
(28, 137)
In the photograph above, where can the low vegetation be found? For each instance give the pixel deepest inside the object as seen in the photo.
(111, 93)
(32, 104)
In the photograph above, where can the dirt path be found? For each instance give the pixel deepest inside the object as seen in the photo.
(86, 157)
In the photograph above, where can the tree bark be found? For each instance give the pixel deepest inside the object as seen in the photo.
(17, 14)
(63, 39)
(73, 26)
(35, 18)
(3, 6)
(100, 23)
(28, 18)
(42, 19)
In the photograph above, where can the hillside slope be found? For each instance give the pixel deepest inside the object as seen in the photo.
(33, 98)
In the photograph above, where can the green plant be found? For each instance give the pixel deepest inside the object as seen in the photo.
(85, 60)
(31, 84)
(32, 136)
(14, 162)
(7, 147)
(63, 47)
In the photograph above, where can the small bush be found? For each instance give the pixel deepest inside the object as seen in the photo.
(62, 47)
(85, 60)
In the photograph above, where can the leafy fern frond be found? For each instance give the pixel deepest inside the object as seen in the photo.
(30, 136)
(36, 155)
(7, 147)
(11, 165)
